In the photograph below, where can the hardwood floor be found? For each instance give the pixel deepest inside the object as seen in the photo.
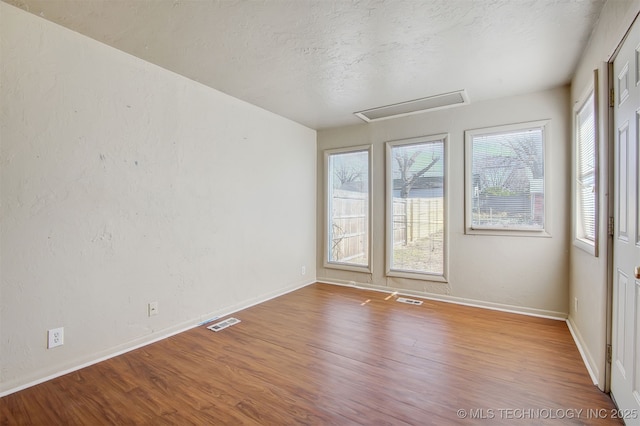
(334, 355)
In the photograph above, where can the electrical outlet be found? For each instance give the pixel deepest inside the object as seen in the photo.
(303, 270)
(575, 304)
(153, 308)
(55, 337)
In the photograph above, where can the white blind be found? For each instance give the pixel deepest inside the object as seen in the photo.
(586, 168)
(507, 180)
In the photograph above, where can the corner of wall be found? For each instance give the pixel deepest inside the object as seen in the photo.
(587, 358)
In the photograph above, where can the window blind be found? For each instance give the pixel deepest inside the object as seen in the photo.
(507, 180)
(586, 169)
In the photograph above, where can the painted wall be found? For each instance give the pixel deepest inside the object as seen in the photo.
(588, 274)
(122, 184)
(528, 274)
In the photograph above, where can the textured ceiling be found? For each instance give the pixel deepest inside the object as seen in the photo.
(318, 61)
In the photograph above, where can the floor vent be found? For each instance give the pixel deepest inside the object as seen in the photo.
(409, 301)
(224, 324)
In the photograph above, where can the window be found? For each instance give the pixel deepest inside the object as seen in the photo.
(348, 202)
(416, 194)
(585, 174)
(505, 183)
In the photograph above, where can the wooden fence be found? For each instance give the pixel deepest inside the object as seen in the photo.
(349, 227)
(416, 218)
(413, 219)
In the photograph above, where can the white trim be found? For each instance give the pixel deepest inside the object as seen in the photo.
(583, 244)
(327, 214)
(389, 145)
(584, 352)
(155, 337)
(469, 229)
(412, 275)
(521, 310)
(580, 242)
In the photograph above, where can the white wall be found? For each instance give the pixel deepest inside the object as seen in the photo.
(123, 183)
(527, 274)
(588, 274)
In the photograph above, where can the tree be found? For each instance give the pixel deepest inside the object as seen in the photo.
(350, 171)
(528, 152)
(347, 174)
(511, 169)
(406, 160)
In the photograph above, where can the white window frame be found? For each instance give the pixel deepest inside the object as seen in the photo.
(468, 184)
(340, 265)
(579, 240)
(425, 276)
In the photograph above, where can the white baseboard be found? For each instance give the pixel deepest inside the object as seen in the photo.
(203, 319)
(542, 313)
(588, 360)
(147, 340)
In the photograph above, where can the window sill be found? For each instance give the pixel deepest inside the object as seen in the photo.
(537, 233)
(422, 276)
(348, 267)
(586, 246)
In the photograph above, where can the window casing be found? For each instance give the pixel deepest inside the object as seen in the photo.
(416, 233)
(348, 208)
(585, 220)
(505, 181)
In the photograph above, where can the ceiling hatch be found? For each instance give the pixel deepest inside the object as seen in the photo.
(417, 106)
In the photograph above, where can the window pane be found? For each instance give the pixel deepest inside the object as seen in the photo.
(417, 174)
(586, 167)
(348, 202)
(507, 180)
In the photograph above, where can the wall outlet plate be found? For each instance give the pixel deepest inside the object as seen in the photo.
(55, 337)
(152, 308)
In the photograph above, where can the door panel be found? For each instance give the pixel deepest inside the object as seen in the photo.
(623, 176)
(625, 368)
(638, 160)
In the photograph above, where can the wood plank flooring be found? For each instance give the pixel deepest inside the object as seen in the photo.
(334, 355)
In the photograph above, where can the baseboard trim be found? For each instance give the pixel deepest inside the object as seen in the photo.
(588, 360)
(534, 312)
(153, 338)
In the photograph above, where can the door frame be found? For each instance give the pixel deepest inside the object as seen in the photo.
(609, 209)
(610, 202)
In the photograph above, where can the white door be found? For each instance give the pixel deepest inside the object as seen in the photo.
(625, 366)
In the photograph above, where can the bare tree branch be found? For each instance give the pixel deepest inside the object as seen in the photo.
(408, 180)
